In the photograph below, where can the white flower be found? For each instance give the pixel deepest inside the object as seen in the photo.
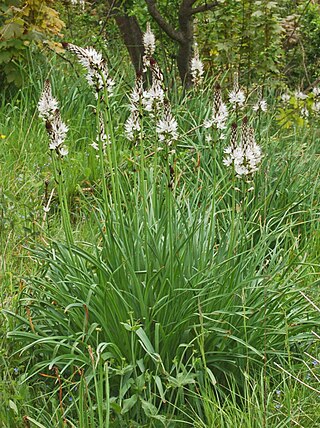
(57, 131)
(300, 95)
(220, 117)
(137, 93)
(260, 105)
(238, 155)
(196, 67)
(132, 125)
(49, 112)
(220, 112)
(304, 112)
(240, 169)
(208, 123)
(227, 161)
(102, 137)
(149, 44)
(63, 151)
(316, 91)
(149, 41)
(244, 156)
(47, 105)
(285, 97)
(91, 58)
(167, 126)
(76, 2)
(237, 98)
(95, 146)
(316, 106)
(97, 70)
(153, 98)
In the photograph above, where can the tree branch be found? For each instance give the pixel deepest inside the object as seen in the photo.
(166, 27)
(188, 3)
(204, 7)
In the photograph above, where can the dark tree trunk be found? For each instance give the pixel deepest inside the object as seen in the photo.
(185, 52)
(132, 36)
(130, 32)
(183, 61)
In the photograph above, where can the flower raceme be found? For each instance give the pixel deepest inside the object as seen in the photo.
(237, 96)
(220, 112)
(196, 67)
(153, 97)
(149, 44)
(245, 156)
(78, 2)
(167, 126)
(261, 105)
(97, 69)
(101, 137)
(47, 105)
(132, 124)
(48, 108)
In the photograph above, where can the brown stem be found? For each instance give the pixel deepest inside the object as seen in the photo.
(163, 24)
(204, 7)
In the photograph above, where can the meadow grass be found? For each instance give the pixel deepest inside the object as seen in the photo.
(172, 302)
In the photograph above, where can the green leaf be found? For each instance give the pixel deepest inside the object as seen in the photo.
(149, 409)
(11, 31)
(37, 424)
(145, 341)
(211, 376)
(160, 388)
(13, 406)
(128, 403)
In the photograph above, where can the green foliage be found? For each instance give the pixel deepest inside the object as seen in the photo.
(243, 35)
(21, 25)
(310, 42)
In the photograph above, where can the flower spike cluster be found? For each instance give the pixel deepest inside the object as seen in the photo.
(220, 112)
(153, 97)
(149, 44)
(261, 104)
(97, 69)
(102, 136)
(78, 2)
(245, 156)
(48, 108)
(197, 69)
(132, 125)
(167, 126)
(237, 97)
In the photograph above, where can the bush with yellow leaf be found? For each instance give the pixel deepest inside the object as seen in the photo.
(21, 24)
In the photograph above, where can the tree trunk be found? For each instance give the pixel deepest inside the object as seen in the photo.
(130, 31)
(183, 60)
(132, 36)
(185, 45)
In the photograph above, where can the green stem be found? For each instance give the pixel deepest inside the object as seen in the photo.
(65, 215)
